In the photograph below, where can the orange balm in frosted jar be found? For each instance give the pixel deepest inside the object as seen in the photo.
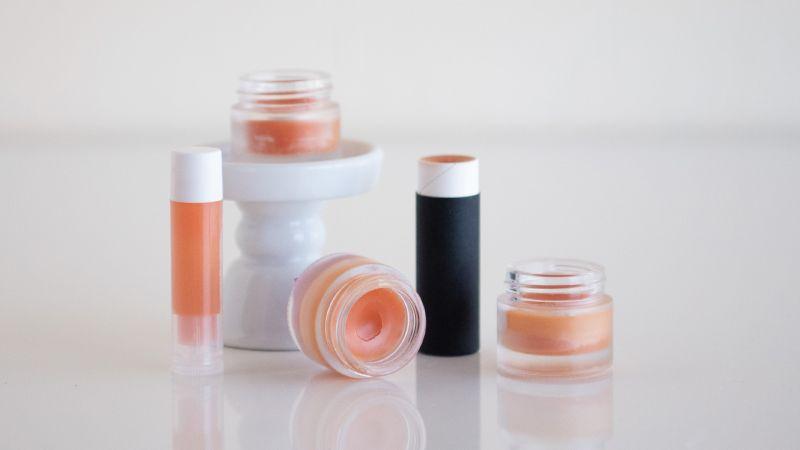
(356, 316)
(554, 320)
(285, 113)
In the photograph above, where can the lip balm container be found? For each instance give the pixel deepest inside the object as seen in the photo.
(448, 253)
(554, 320)
(196, 215)
(285, 112)
(356, 316)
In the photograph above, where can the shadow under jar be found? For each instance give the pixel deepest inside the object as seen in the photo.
(285, 113)
(554, 320)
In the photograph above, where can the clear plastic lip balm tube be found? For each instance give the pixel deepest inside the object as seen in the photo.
(196, 216)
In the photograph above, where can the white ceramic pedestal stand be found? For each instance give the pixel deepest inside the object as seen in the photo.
(281, 233)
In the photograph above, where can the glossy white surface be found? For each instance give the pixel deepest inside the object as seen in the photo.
(700, 243)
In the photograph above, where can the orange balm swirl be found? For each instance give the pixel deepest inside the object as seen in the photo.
(356, 316)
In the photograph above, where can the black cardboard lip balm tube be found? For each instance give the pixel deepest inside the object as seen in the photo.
(448, 253)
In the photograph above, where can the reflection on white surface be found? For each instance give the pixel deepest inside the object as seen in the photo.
(449, 398)
(197, 412)
(334, 412)
(261, 396)
(555, 413)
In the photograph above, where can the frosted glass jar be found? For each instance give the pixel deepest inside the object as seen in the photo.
(285, 113)
(554, 320)
(356, 316)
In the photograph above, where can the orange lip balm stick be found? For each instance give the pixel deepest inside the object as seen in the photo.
(195, 209)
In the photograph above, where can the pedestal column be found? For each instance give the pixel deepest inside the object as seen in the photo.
(277, 241)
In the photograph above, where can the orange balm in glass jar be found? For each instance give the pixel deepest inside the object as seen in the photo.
(554, 320)
(356, 316)
(285, 113)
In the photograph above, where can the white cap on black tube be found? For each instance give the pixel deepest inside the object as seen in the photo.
(448, 176)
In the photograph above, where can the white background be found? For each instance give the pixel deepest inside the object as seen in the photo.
(404, 67)
(658, 138)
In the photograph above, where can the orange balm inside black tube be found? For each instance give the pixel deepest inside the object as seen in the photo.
(196, 215)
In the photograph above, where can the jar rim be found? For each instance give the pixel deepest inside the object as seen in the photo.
(543, 272)
(554, 280)
(284, 81)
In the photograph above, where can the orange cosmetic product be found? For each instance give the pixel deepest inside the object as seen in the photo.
(356, 316)
(554, 320)
(196, 216)
(285, 113)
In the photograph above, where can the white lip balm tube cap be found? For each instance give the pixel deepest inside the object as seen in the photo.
(196, 175)
(448, 176)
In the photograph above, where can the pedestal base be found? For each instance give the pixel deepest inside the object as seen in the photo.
(281, 233)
